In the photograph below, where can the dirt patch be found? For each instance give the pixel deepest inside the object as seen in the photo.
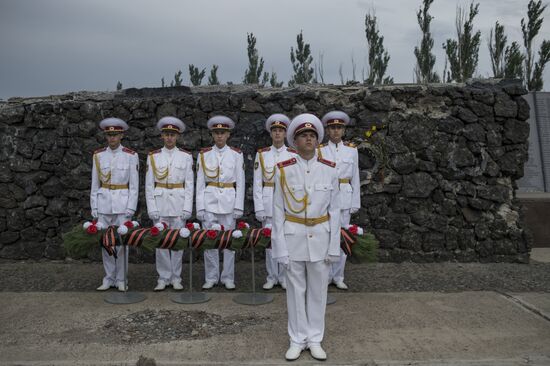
(155, 326)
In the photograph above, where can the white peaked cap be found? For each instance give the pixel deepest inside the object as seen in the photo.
(220, 123)
(113, 125)
(305, 122)
(335, 118)
(170, 123)
(277, 120)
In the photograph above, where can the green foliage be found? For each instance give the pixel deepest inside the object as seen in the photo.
(177, 79)
(118, 85)
(196, 76)
(255, 63)
(365, 250)
(377, 55)
(506, 61)
(513, 62)
(273, 80)
(213, 78)
(425, 59)
(301, 60)
(533, 71)
(78, 243)
(463, 53)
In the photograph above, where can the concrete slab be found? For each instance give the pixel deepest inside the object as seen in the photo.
(540, 255)
(412, 328)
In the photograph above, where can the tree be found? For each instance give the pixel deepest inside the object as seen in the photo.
(497, 45)
(177, 79)
(301, 62)
(162, 83)
(273, 80)
(196, 76)
(506, 61)
(533, 70)
(319, 69)
(255, 63)
(213, 78)
(463, 52)
(378, 55)
(118, 85)
(425, 59)
(513, 62)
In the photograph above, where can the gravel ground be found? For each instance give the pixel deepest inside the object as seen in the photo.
(24, 276)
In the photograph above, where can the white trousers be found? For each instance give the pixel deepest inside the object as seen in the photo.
(114, 268)
(212, 256)
(337, 268)
(276, 272)
(306, 299)
(169, 262)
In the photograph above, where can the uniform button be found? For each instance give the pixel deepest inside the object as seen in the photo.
(307, 171)
(311, 236)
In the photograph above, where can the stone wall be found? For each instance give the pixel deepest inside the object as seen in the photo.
(438, 178)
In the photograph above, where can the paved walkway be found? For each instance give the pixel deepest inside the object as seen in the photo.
(394, 314)
(408, 328)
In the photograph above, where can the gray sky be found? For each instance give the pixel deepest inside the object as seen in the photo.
(57, 46)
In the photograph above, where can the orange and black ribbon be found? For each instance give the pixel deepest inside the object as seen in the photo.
(170, 239)
(135, 238)
(197, 238)
(224, 242)
(252, 238)
(109, 239)
(347, 241)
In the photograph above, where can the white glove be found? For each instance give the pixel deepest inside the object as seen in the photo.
(129, 212)
(200, 215)
(353, 210)
(332, 259)
(283, 260)
(185, 215)
(154, 215)
(238, 214)
(94, 213)
(260, 216)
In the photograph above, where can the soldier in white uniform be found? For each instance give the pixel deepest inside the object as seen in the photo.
(306, 233)
(264, 172)
(345, 156)
(114, 193)
(169, 185)
(220, 196)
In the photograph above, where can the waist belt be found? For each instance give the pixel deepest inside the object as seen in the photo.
(310, 221)
(344, 180)
(170, 185)
(221, 185)
(269, 184)
(114, 186)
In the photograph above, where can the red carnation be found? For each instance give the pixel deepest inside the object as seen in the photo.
(241, 225)
(92, 229)
(129, 224)
(353, 229)
(155, 231)
(266, 232)
(211, 234)
(190, 226)
(222, 228)
(165, 225)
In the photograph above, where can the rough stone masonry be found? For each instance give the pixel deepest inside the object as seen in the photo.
(438, 175)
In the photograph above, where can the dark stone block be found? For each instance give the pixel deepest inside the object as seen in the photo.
(418, 185)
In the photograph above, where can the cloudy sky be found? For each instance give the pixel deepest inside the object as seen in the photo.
(57, 46)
